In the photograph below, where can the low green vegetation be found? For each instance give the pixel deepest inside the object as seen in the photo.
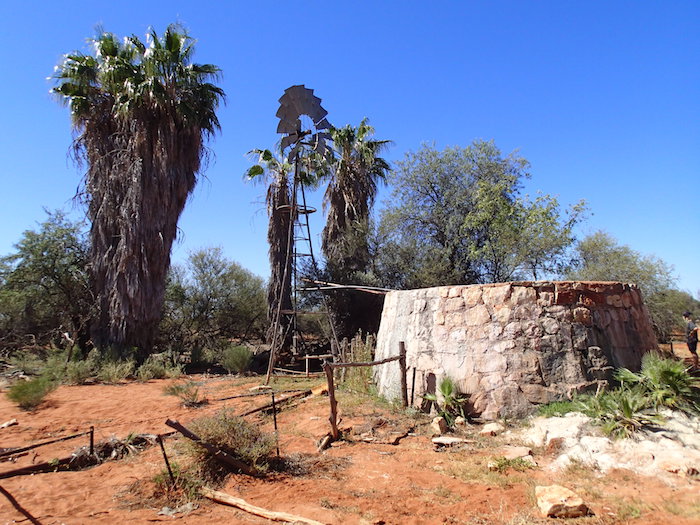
(29, 394)
(236, 359)
(187, 391)
(635, 404)
(116, 371)
(358, 379)
(449, 402)
(502, 464)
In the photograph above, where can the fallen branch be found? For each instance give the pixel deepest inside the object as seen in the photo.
(268, 406)
(222, 497)
(9, 423)
(49, 466)
(13, 451)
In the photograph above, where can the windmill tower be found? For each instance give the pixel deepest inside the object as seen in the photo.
(305, 128)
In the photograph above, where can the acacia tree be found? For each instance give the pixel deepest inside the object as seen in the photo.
(141, 113)
(44, 289)
(356, 170)
(457, 216)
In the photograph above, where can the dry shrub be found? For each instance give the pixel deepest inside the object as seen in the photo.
(234, 436)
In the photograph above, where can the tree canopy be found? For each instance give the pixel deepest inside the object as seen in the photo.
(599, 257)
(210, 300)
(458, 216)
(44, 287)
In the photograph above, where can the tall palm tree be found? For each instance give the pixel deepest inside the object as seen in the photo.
(276, 173)
(142, 113)
(357, 170)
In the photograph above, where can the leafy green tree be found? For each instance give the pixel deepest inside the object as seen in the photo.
(599, 257)
(457, 216)
(44, 289)
(210, 300)
(356, 170)
(142, 113)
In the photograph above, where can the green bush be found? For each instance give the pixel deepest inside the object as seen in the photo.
(78, 372)
(236, 359)
(188, 392)
(152, 368)
(115, 371)
(620, 412)
(29, 394)
(233, 435)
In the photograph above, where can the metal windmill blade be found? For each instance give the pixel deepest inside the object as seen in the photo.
(297, 101)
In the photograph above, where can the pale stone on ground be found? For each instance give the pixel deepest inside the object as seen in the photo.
(491, 429)
(555, 501)
(438, 425)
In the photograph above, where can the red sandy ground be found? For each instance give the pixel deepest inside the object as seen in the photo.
(356, 482)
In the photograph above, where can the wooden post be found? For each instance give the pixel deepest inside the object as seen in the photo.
(92, 440)
(413, 385)
(274, 419)
(307, 364)
(333, 418)
(165, 458)
(402, 364)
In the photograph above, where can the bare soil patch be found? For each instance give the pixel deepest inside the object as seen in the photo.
(358, 480)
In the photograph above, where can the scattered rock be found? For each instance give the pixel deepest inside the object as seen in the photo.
(439, 425)
(461, 422)
(492, 429)
(511, 452)
(555, 501)
(182, 509)
(448, 441)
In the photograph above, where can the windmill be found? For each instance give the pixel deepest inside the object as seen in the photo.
(305, 128)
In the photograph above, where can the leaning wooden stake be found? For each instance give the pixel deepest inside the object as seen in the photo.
(402, 364)
(227, 499)
(165, 458)
(333, 418)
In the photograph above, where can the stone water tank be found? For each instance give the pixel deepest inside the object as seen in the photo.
(511, 346)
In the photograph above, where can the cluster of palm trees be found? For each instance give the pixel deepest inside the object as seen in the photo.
(353, 169)
(142, 113)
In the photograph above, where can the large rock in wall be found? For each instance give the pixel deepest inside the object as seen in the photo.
(510, 346)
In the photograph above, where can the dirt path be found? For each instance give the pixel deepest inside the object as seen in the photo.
(351, 483)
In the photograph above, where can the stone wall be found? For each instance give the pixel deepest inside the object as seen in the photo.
(510, 346)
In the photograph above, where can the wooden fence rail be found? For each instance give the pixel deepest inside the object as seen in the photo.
(328, 369)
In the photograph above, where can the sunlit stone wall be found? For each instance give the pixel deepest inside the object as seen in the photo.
(510, 346)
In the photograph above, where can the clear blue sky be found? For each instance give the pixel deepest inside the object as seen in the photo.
(602, 97)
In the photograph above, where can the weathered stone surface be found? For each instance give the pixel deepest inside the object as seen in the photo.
(448, 441)
(491, 429)
(514, 344)
(555, 501)
(438, 425)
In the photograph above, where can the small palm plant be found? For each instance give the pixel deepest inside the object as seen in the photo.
(665, 383)
(452, 401)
